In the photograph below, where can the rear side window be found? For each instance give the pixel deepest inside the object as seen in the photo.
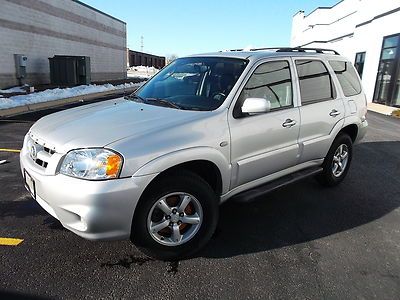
(315, 81)
(347, 77)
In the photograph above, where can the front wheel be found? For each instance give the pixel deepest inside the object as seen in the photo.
(175, 217)
(337, 162)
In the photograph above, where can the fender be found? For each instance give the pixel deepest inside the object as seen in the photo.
(174, 158)
(334, 132)
(362, 125)
(350, 120)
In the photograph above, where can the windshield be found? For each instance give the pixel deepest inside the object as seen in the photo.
(193, 83)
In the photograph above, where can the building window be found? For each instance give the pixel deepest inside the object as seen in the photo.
(387, 87)
(359, 63)
(315, 81)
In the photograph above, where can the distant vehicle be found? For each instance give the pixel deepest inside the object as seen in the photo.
(154, 166)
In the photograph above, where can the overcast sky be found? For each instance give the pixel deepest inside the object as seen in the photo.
(185, 27)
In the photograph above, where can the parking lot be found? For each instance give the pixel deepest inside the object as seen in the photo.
(300, 242)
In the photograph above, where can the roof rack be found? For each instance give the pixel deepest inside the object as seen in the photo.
(296, 49)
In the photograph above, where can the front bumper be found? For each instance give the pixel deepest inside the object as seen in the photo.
(95, 210)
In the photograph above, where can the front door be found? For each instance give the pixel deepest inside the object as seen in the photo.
(265, 143)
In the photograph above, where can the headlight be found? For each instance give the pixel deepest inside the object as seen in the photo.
(93, 164)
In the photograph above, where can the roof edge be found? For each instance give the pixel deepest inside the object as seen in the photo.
(98, 11)
(323, 7)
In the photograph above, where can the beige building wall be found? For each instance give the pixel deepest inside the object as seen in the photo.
(41, 29)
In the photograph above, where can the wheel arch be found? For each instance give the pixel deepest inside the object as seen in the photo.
(206, 162)
(351, 130)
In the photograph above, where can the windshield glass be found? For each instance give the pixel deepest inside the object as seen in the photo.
(194, 83)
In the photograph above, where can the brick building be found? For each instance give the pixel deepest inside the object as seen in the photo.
(41, 29)
(137, 58)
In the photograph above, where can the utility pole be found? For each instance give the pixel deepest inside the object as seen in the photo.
(141, 43)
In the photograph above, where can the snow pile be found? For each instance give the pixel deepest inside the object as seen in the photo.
(142, 72)
(17, 89)
(55, 94)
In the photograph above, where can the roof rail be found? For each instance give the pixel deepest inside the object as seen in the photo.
(300, 49)
(295, 49)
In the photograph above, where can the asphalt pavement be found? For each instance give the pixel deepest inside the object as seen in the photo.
(300, 242)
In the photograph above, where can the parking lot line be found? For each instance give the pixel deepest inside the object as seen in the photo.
(9, 150)
(10, 242)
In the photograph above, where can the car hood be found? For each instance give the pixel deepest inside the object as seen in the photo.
(103, 123)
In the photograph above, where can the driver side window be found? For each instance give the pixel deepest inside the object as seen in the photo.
(271, 81)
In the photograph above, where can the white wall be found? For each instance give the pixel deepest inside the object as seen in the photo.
(341, 28)
(42, 29)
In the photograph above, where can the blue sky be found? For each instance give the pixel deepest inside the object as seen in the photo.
(185, 27)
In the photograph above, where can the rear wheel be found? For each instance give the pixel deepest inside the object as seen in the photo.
(337, 162)
(175, 217)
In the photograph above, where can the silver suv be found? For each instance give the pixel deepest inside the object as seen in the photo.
(154, 166)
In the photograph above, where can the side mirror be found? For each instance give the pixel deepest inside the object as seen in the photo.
(256, 106)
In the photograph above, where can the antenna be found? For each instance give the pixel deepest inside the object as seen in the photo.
(141, 43)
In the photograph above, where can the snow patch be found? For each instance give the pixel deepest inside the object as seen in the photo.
(17, 89)
(142, 72)
(58, 93)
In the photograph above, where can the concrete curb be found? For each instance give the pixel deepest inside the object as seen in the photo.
(8, 112)
(381, 109)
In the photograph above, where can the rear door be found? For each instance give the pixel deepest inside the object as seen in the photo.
(321, 108)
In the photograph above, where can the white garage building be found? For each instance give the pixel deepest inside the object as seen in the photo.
(367, 32)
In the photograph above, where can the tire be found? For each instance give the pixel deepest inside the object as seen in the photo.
(150, 212)
(328, 177)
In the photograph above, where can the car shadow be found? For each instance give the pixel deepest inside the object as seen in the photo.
(299, 213)
(306, 211)
(24, 207)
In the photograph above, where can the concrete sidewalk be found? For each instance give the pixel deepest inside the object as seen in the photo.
(381, 109)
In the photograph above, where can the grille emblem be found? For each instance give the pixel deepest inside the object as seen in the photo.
(33, 152)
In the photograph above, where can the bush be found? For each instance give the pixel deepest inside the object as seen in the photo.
(396, 113)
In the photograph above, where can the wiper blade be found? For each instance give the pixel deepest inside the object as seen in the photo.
(165, 102)
(135, 97)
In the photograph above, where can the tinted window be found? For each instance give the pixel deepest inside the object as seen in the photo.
(347, 77)
(194, 83)
(315, 81)
(270, 81)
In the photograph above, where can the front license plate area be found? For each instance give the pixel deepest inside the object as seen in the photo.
(30, 184)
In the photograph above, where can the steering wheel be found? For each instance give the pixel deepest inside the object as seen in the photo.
(218, 96)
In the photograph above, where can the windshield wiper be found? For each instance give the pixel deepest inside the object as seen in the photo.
(165, 102)
(135, 97)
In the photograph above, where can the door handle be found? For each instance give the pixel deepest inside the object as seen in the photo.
(334, 113)
(289, 123)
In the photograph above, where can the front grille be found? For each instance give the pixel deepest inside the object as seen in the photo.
(48, 150)
(39, 152)
(41, 163)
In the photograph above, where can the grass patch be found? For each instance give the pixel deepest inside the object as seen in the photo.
(396, 113)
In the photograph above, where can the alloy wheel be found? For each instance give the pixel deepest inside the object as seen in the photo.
(340, 160)
(175, 219)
